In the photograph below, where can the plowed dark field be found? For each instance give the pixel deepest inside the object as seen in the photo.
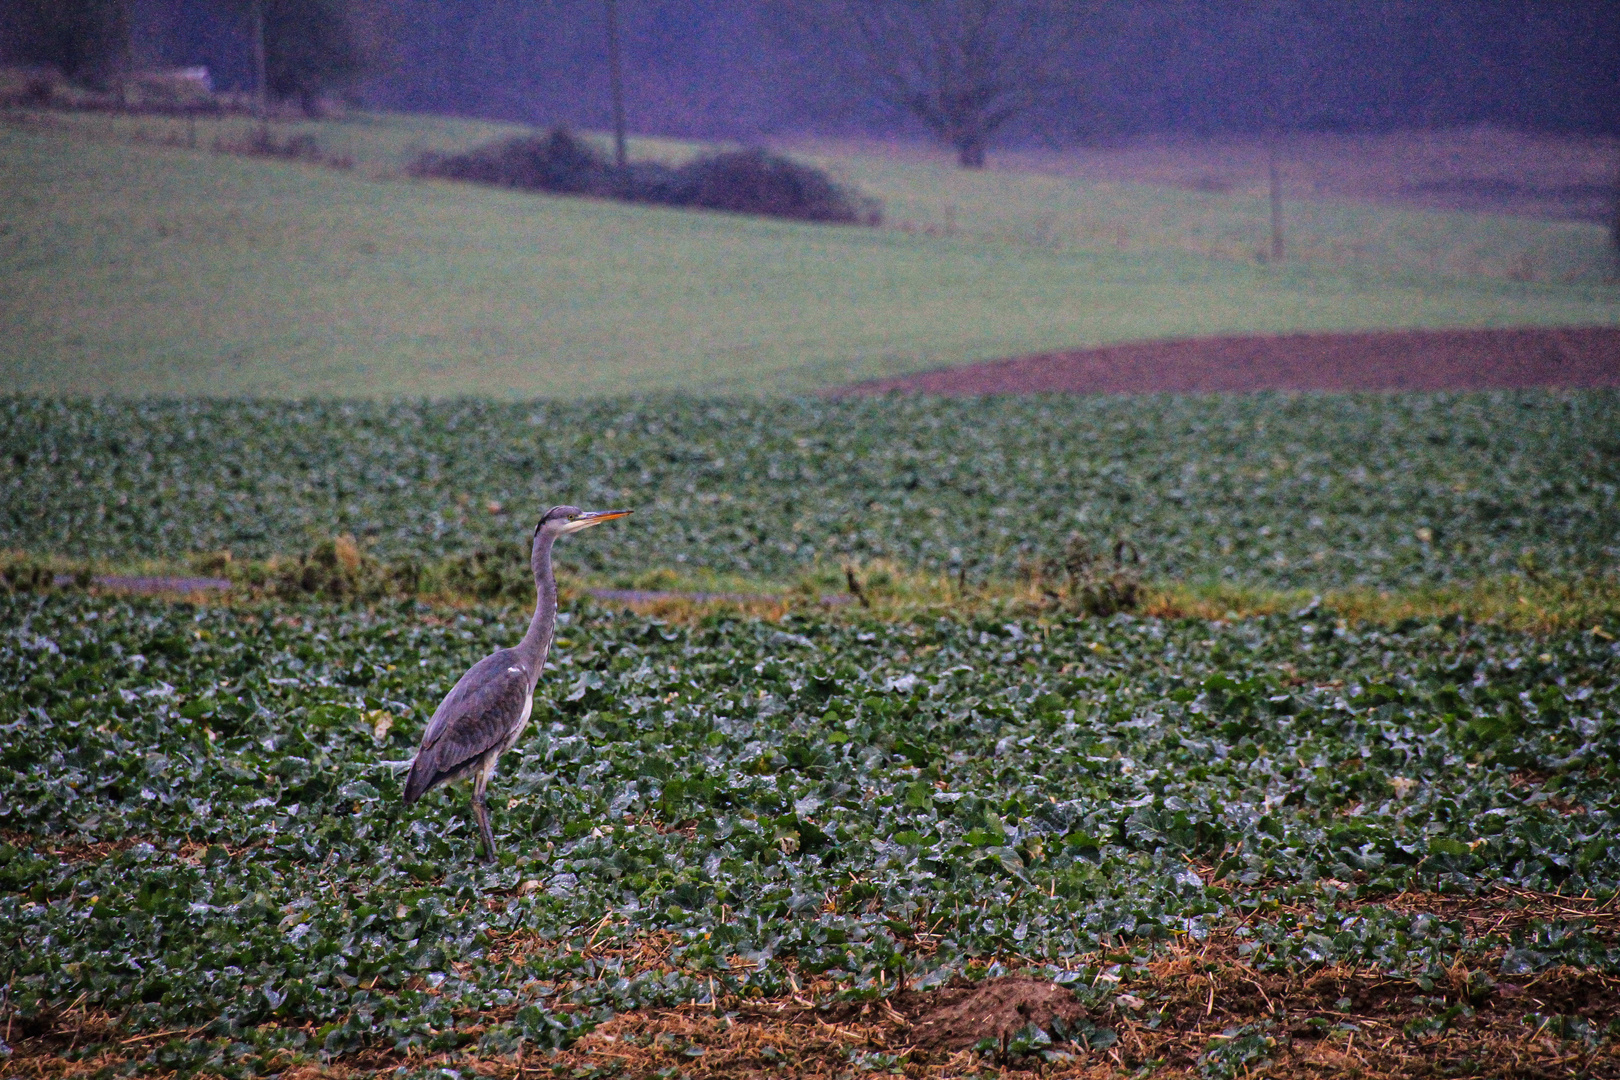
(1381, 360)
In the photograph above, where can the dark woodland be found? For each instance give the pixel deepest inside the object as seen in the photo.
(760, 68)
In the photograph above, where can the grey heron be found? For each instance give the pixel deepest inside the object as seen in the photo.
(484, 714)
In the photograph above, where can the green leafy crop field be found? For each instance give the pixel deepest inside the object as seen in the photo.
(1312, 491)
(736, 845)
(207, 866)
(141, 268)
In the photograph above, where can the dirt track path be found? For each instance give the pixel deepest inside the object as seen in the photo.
(1380, 360)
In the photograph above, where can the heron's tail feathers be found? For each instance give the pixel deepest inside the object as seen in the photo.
(422, 779)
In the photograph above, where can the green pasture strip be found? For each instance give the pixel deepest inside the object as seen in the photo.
(1007, 205)
(137, 270)
(1310, 492)
(1063, 213)
(222, 784)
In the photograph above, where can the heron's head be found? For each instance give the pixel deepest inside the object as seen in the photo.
(561, 520)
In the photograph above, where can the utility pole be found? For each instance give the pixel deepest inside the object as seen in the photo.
(1614, 228)
(616, 82)
(262, 102)
(1278, 83)
(126, 51)
(1276, 201)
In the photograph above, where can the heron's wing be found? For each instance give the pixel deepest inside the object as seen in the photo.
(477, 715)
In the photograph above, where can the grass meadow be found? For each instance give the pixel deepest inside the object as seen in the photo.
(138, 266)
(1038, 207)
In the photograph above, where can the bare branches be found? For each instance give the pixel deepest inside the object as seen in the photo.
(964, 68)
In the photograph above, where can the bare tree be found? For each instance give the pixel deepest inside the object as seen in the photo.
(302, 49)
(964, 68)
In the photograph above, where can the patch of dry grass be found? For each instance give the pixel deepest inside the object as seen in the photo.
(1517, 602)
(1532, 604)
(887, 590)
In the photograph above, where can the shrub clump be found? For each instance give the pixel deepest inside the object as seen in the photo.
(21, 573)
(340, 569)
(302, 147)
(738, 182)
(498, 573)
(334, 569)
(1088, 582)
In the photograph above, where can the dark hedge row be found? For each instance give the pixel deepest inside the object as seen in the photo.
(739, 182)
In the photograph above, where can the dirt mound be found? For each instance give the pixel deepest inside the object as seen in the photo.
(1381, 360)
(958, 1017)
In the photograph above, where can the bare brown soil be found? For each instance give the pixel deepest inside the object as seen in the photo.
(961, 1017)
(1170, 1019)
(1194, 1008)
(1371, 361)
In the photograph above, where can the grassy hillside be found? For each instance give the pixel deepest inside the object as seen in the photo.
(1037, 208)
(154, 269)
(1055, 201)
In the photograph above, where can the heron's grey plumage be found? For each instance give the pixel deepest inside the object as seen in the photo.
(475, 717)
(485, 713)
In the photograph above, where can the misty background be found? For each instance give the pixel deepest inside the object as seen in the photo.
(749, 69)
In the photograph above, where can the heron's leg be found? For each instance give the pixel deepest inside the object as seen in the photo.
(481, 808)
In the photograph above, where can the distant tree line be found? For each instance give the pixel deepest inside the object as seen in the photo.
(310, 49)
(310, 46)
(968, 72)
(87, 40)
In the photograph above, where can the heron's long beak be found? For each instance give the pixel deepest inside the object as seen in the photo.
(594, 517)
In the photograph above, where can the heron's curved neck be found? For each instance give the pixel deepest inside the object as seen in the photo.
(537, 642)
